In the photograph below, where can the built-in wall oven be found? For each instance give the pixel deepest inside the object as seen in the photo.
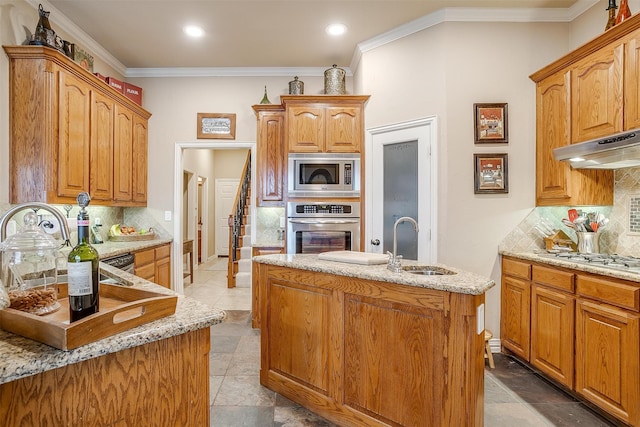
(315, 227)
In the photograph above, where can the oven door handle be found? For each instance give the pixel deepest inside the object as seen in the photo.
(324, 221)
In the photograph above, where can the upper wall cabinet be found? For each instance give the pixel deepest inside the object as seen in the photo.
(71, 132)
(589, 93)
(270, 161)
(324, 124)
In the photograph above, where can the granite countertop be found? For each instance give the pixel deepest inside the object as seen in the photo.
(544, 258)
(462, 282)
(22, 357)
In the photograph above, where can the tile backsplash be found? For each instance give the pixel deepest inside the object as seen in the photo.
(620, 236)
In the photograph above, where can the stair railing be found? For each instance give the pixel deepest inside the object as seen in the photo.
(236, 221)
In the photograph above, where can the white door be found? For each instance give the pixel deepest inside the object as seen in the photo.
(385, 204)
(226, 190)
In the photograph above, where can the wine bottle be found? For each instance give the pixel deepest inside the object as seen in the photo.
(82, 269)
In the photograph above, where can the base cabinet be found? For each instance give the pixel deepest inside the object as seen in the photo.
(516, 307)
(360, 352)
(552, 331)
(608, 356)
(162, 383)
(154, 264)
(584, 332)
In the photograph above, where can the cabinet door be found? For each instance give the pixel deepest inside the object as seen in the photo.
(556, 183)
(379, 372)
(139, 160)
(73, 136)
(608, 359)
(101, 164)
(306, 129)
(552, 331)
(122, 155)
(344, 134)
(514, 315)
(299, 325)
(596, 95)
(271, 159)
(632, 83)
(553, 127)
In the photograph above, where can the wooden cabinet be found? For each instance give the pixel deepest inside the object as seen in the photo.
(324, 124)
(271, 160)
(596, 89)
(515, 307)
(596, 94)
(101, 149)
(552, 332)
(364, 352)
(71, 132)
(556, 182)
(608, 359)
(154, 264)
(584, 332)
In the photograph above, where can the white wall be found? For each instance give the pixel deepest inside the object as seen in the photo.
(443, 71)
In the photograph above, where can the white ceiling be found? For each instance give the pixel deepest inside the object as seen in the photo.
(147, 34)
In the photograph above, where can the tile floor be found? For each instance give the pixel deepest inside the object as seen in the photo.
(514, 395)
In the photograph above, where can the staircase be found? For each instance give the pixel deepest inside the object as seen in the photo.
(239, 267)
(243, 275)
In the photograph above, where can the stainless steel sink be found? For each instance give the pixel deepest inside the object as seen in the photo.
(426, 270)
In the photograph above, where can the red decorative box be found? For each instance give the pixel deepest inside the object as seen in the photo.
(101, 76)
(116, 84)
(132, 92)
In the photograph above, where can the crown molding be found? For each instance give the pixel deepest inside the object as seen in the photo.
(427, 21)
(463, 14)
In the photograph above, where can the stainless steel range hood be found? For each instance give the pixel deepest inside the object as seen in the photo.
(618, 151)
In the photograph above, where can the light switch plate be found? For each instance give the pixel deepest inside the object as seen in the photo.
(167, 215)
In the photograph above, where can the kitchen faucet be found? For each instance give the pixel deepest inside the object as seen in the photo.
(64, 227)
(394, 259)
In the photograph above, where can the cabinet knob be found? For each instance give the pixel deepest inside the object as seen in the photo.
(375, 242)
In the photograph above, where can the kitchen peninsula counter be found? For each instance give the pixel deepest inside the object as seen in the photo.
(152, 374)
(361, 345)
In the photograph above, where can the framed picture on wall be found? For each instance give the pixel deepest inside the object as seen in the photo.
(216, 126)
(491, 173)
(491, 123)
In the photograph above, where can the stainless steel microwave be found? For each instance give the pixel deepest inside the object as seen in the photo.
(324, 175)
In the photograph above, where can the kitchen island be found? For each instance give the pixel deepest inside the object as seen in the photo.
(154, 374)
(361, 345)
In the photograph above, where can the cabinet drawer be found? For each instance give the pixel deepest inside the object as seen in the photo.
(163, 252)
(144, 257)
(622, 294)
(555, 278)
(146, 272)
(516, 268)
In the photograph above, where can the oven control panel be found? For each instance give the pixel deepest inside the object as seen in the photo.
(303, 209)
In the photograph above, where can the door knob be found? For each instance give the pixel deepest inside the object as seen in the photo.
(375, 242)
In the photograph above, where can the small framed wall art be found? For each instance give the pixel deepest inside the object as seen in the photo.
(491, 123)
(491, 173)
(216, 126)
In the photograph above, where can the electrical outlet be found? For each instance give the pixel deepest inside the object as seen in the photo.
(167, 215)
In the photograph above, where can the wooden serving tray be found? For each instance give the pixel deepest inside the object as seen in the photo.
(132, 237)
(121, 308)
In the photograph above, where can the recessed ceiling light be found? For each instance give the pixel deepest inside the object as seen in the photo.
(336, 29)
(193, 31)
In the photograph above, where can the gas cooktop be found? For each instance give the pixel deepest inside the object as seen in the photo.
(613, 262)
